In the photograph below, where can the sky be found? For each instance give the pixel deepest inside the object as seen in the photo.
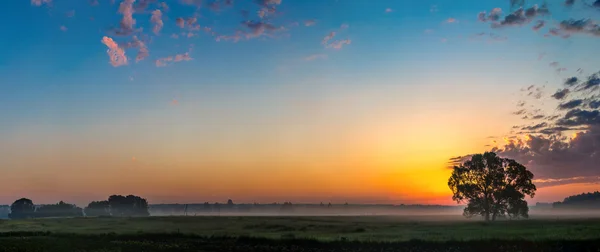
(337, 101)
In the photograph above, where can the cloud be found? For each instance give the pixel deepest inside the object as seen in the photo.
(521, 16)
(162, 62)
(493, 16)
(594, 104)
(557, 158)
(116, 54)
(310, 22)
(156, 19)
(142, 49)
(571, 81)
(539, 25)
(434, 8)
(578, 117)
(451, 20)
(554, 64)
(338, 44)
(570, 104)
(315, 57)
(327, 38)
(63, 28)
(258, 28)
(192, 2)
(536, 127)
(180, 22)
(561, 94)
(389, 10)
(141, 5)
(40, 2)
(344, 26)
(127, 22)
(592, 82)
(582, 26)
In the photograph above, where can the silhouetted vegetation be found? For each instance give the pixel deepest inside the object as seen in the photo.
(21, 209)
(128, 206)
(98, 208)
(580, 201)
(492, 186)
(61, 209)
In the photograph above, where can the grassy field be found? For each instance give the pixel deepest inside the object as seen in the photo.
(298, 234)
(364, 228)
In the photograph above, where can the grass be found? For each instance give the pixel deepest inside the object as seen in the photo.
(363, 228)
(298, 234)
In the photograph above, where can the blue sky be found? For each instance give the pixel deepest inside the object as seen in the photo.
(414, 73)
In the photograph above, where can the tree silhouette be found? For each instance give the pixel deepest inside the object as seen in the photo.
(492, 186)
(130, 206)
(21, 209)
(98, 208)
(61, 209)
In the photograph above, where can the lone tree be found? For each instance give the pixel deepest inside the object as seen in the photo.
(128, 206)
(492, 186)
(21, 209)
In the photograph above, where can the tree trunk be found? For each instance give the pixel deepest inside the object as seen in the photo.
(494, 216)
(487, 215)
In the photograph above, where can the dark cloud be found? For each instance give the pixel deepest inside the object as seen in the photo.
(520, 112)
(555, 157)
(594, 104)
(536, 127)
(569, 2)
(539, 25)
(561, 94)
(578, 117)
(258, 28)
(493, 16)
(536, 117)
(584, 26)
(521, 16)
(592, 82)
(596, 4)
(570, 104)
(571, 81)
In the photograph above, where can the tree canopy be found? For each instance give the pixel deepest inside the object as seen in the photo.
(22, 208)
(98, 208)
(61, 209)
(128, 206)
(492, 186)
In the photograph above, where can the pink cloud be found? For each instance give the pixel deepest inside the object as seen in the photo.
(40, 2)
(142, 49)
(315, 57)
(344, 26)
(63, 28)
(451, 20)
(116, 53)
(156, 19)
(327, 38)
(310, 22)
(389, 10)
(162, 62)
(338, 44)
(127, 22)
(164, 6)
(180, 22)
(175, 36)
(258, 28)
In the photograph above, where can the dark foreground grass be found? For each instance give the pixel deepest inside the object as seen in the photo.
(36, 241)
(363, 228)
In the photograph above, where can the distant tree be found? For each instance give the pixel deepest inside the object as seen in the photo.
(128, 206)
(230, 202)
(98, 208)
(61, 209)
(21, 209)
(492, 186)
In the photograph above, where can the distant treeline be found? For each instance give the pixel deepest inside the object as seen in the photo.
(216, 208)
(580, 201)
(116, 205)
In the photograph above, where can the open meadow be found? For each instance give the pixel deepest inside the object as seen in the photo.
(333, 233)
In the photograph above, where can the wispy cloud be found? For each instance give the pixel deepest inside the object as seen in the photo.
(63, 28)
(142, 49)
(40, 2)
(115, 53)
(310, 22)
(451, 20)
(338, 44)
(327, 38)
(315, 57)
(389, 10)
(162, 62)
